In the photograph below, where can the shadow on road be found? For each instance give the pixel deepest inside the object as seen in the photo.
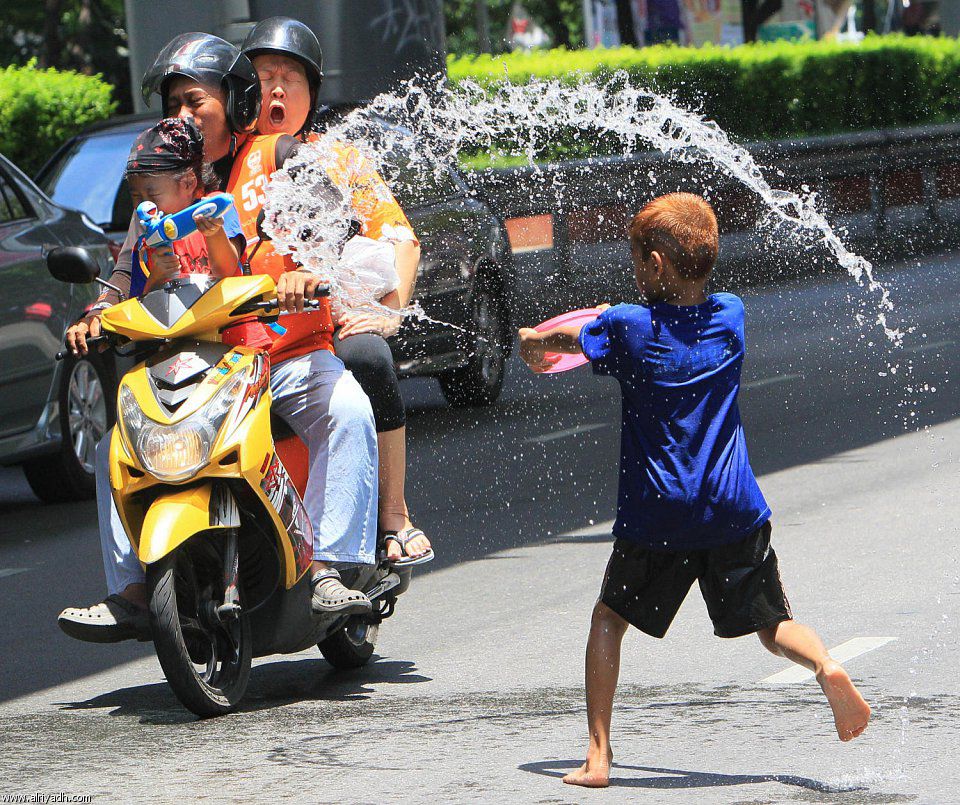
(272, 684)
(679, 778)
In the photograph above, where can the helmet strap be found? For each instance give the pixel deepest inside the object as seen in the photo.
(233, 144)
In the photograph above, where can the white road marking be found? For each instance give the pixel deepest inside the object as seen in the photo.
(562, 434)
(12, 571)
(931, 345)
(769, 381)
(842, 653)
(603, 527)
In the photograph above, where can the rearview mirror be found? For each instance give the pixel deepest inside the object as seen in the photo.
(72, 264)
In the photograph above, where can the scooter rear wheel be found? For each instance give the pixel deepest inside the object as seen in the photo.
(206, 662)
(352, 645)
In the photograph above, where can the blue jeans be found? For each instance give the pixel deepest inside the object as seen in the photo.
(325, 406)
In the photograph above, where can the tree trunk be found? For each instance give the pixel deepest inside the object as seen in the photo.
(83, 45)
(553, 21)
(755, 14)
(625, 22)
(483, 26)
(52, 45)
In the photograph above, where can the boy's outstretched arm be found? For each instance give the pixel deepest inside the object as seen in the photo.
(534, 346)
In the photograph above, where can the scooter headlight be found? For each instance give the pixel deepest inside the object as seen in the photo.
(173, 452)
(178, 451)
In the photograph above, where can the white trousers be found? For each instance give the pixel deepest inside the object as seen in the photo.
(325, 406)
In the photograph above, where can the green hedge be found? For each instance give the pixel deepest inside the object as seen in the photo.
(766, 90)
(40, 109)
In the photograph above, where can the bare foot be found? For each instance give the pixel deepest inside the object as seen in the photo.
(415, 547)
(595, 773)
(393, 550)
(850, 712)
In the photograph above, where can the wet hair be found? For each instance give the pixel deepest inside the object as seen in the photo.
(683, 228)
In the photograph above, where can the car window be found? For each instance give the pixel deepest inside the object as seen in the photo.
(88, 177)
(420, 185)
(11, 206)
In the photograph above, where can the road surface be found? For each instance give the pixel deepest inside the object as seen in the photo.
(476, 694)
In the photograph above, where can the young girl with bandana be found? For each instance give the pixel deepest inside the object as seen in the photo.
(166, 167)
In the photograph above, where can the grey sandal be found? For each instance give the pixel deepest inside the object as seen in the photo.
(402, 537)
(330, 595)
(112, 620)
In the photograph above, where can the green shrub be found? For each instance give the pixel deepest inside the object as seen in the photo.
(767, 90)
(40, 109)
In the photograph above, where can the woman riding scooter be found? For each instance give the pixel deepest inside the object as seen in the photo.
(287, 57)
(206, 78)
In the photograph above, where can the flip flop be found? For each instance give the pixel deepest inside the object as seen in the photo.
(330, 595)
(402, 537)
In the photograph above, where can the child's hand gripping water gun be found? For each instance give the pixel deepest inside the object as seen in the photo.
(162, 230)
(159, 229)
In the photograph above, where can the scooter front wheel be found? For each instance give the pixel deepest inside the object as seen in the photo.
(206, 660)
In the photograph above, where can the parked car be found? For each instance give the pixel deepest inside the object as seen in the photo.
(466, 269)
(51, 413)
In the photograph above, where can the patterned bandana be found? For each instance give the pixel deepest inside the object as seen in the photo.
(172, 144)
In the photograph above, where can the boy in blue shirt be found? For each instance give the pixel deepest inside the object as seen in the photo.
(689, 507)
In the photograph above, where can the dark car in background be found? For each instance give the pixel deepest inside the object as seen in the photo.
(465, 276)
(52, 413)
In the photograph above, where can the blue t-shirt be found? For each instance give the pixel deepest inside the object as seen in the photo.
(191, 251)
(685, 479)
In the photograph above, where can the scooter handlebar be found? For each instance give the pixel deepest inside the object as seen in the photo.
(91, 342)
(272, 304)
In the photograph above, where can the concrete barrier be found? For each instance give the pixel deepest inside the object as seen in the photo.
(887, 193)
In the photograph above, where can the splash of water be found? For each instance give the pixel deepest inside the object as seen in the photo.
(436, 123)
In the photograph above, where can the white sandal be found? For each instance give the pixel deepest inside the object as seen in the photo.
(330, 595)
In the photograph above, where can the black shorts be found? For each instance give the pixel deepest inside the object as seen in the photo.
(740, 583)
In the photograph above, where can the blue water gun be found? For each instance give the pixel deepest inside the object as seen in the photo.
(159, 229)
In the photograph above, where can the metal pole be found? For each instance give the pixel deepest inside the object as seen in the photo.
(870, 15)
(588, 23)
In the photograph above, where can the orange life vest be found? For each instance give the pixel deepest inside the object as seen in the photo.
(252, 168)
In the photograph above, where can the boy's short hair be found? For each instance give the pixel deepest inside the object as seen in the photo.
(683, 228)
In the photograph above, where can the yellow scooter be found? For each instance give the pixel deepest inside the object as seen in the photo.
(209, 491)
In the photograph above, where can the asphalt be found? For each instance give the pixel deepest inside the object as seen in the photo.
(476, 692)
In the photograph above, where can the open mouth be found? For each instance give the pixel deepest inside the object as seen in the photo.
(277, 115)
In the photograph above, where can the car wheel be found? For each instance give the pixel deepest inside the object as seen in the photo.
(480, 381)
(87, 408)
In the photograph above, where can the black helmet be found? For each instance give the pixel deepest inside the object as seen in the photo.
(287, 37)
(213, 61)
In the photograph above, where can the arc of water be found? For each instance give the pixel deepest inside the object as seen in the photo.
(438, 122)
